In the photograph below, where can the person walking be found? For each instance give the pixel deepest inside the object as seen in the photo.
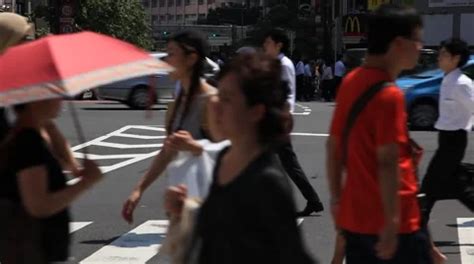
(33, 181)
(456, 107)
(326, 82)
(374, 204)
(15, 30)
(187, 120)
(339, 72)
(308, 80)
(300, 73)
(276, 44)
(248, 216)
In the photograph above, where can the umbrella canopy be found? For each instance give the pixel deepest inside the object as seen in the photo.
(66, 65)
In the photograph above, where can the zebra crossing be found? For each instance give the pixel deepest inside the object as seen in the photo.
(143, 242)
(137, 246)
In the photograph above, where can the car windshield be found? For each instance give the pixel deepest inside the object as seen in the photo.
(428, 61)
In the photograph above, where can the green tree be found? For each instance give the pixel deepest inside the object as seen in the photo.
(123, 19)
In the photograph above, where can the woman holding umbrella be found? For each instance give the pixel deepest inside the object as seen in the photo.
(15, 30)
(187, 120)
(37, 184)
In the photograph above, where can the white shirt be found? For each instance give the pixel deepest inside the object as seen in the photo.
(327, 73)
(299, 68)
(288, 75)
(456, 102)
(339, 69)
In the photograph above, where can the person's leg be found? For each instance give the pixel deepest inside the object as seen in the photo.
(295, 172)
(440, 174)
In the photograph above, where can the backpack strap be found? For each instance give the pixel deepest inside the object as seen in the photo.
(357, 108)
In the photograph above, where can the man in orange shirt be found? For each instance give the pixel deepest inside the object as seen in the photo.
(375, 205)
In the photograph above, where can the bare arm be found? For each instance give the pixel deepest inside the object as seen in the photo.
(159, 164)
(61, 148)
(39, 202)
(334, 170)
(334, 167)
(388, 172)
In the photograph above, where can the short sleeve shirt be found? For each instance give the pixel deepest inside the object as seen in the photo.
(27, 150)
(383, 121)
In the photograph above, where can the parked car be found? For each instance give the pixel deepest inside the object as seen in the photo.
(422, 95)
(135, 92)
(428, 60)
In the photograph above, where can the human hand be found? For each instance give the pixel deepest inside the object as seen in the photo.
(90, 172)
(387, 245)
(130, 205)
(182, 141)
(174, 199)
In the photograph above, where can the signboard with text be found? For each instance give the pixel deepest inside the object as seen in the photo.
(451, 3)
(66, 16)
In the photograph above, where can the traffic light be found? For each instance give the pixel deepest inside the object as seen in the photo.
(213, 35)
(165, 33)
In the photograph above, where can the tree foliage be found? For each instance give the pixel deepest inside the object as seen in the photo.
(123, 19)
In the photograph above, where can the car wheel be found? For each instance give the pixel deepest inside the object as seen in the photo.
(139, 99)
(423, 116)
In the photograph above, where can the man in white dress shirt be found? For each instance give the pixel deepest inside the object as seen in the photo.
(456, 107)
(276, 44)
(300, 69)
(339, 72)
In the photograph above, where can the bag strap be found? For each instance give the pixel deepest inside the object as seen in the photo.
(357, 107)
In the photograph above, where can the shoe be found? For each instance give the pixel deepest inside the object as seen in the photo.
(310, 208)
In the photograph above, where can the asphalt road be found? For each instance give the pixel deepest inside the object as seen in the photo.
(124, 140)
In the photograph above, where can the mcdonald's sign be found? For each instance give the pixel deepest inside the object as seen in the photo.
(354, 25)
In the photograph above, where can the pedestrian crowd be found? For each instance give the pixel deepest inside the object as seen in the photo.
(228, 155)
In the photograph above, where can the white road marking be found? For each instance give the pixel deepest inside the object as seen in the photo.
(126, 146)
(299, 221)
(103, 157)
(310, 134)
(140, 136)
(74, 226)
(306, 110)
(466, 239)
(134, 247)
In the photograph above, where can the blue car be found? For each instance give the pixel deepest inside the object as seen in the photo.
(422, 95)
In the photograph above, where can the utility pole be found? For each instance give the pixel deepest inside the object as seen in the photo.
(326, 28)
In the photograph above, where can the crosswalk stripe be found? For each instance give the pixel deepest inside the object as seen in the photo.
(466, 239)
(75, 226)
(137, 246)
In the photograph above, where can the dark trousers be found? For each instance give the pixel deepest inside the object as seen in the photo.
(337, 83)
(4, 127)
(327, 90)
(438, 181)
(295, 172)
(413, 248)
(299, 86)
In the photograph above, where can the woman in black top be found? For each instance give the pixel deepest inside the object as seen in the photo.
(248, 216)
(32, 181)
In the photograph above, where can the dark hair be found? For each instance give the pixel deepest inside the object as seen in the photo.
(191, 42)
(260, 81)
(456, 46)
(388, 22)
(279, 36)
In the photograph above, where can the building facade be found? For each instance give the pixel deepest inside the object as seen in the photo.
(186, 12)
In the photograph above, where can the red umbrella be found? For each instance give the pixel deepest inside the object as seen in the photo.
(66, 65)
